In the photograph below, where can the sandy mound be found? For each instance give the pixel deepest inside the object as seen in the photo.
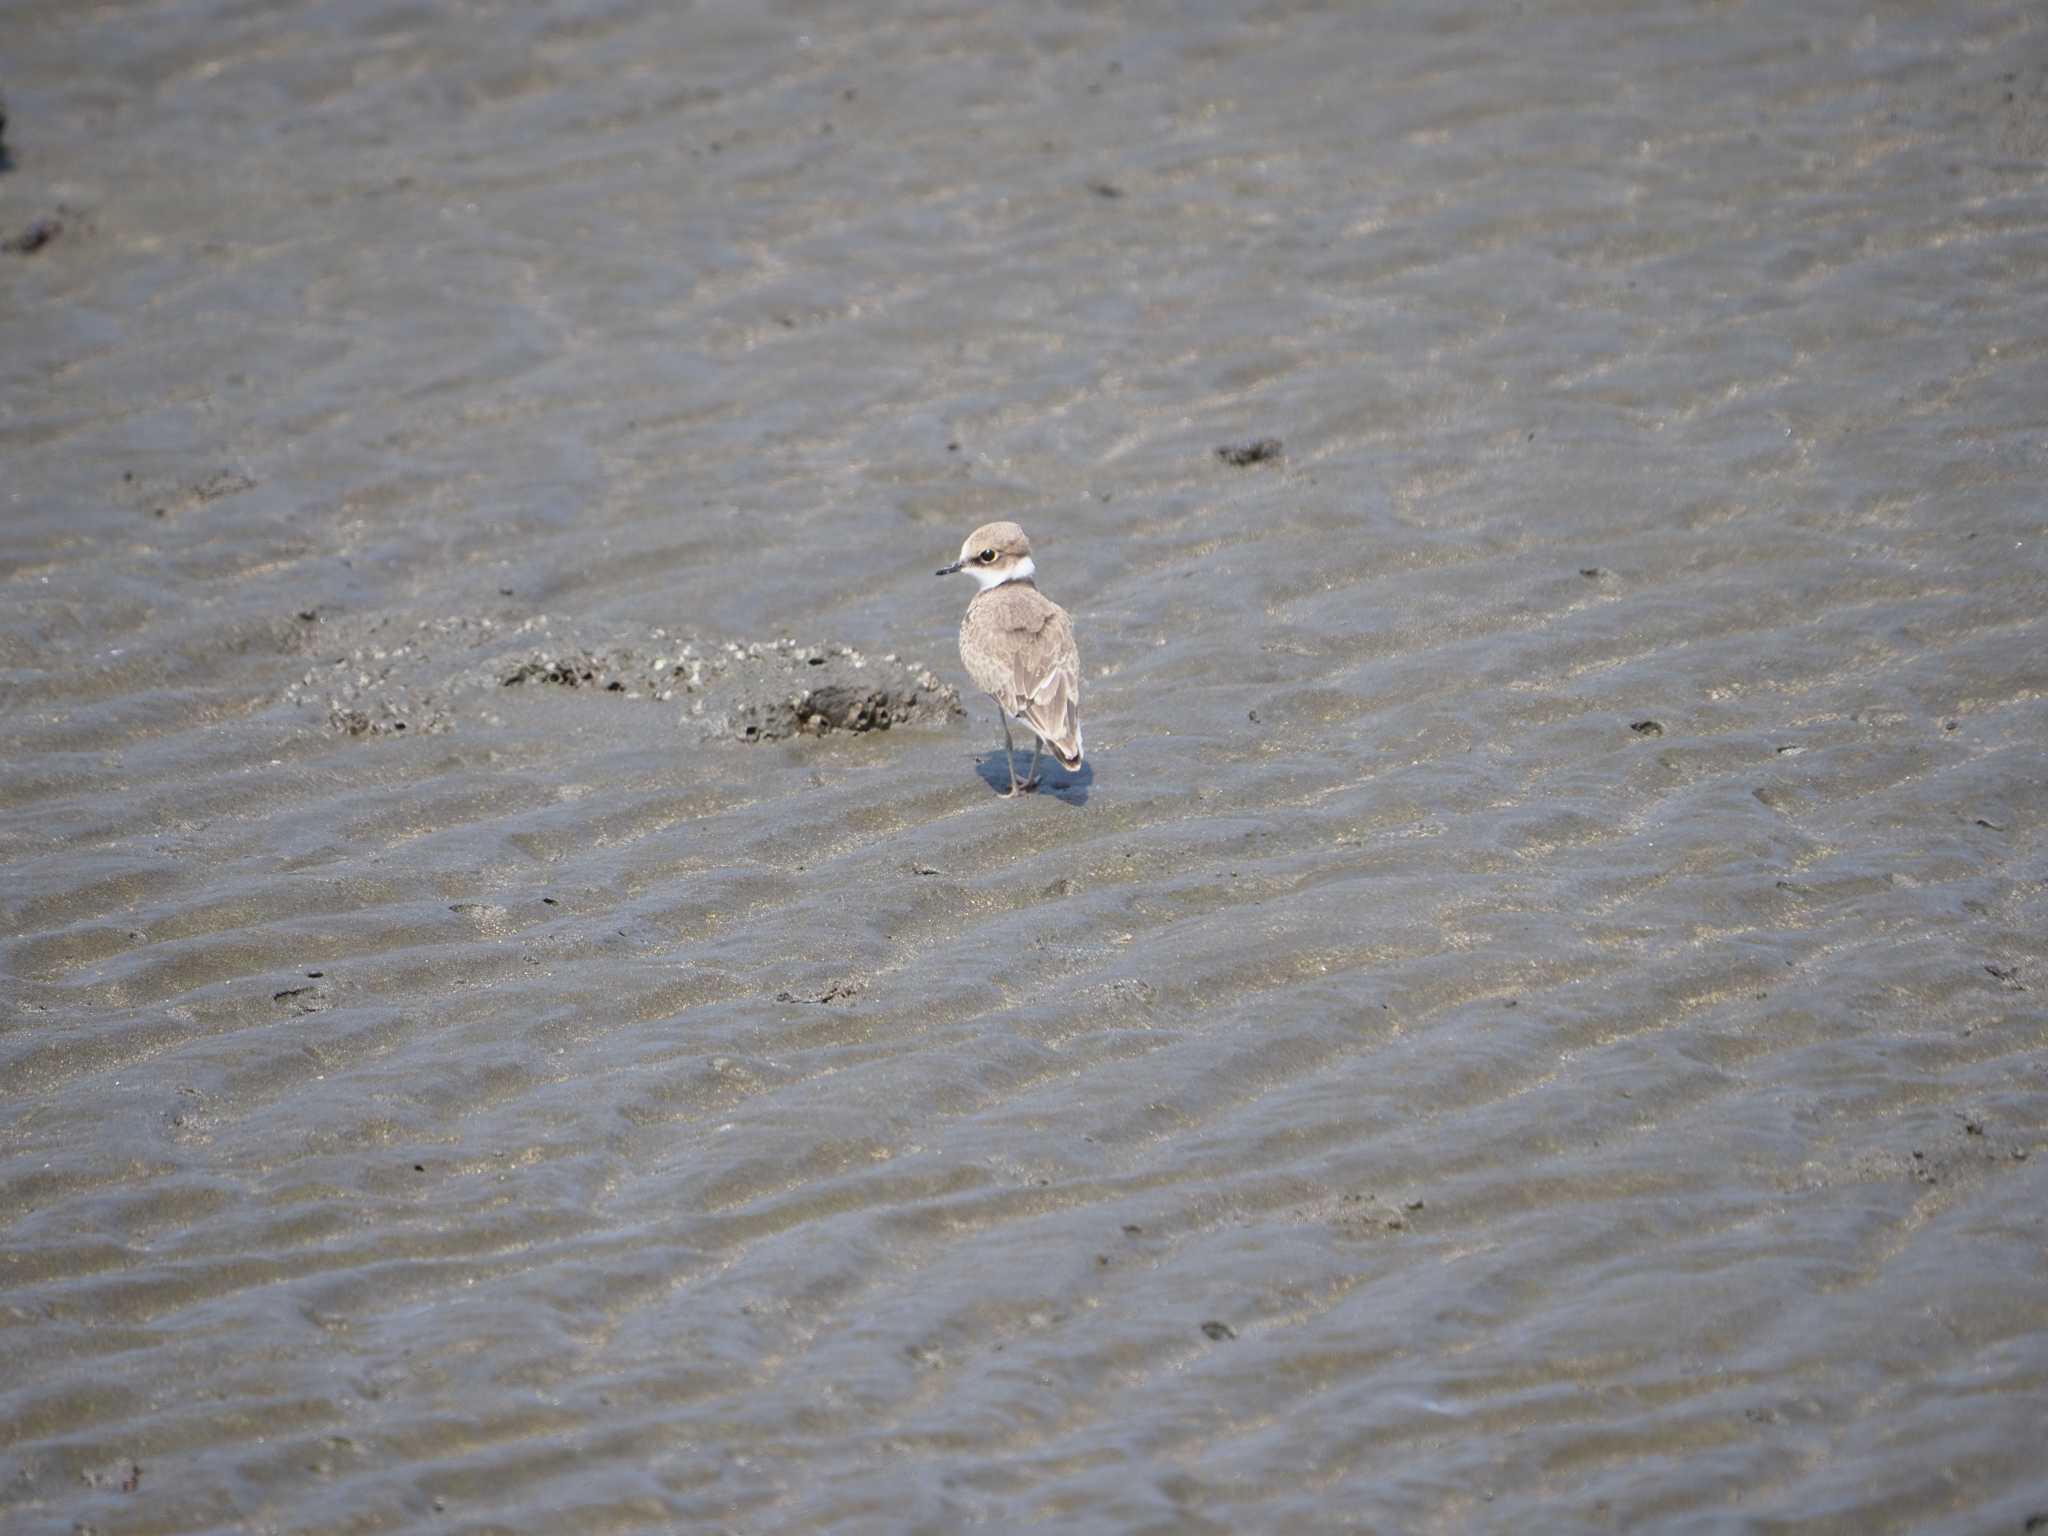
(387, 680)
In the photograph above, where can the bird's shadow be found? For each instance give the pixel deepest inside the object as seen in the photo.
(1064, 784)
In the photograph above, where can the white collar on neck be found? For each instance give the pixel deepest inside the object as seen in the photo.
(1023, 570)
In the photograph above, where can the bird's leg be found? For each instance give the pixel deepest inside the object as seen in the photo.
(1009, 753)
(1031, 778)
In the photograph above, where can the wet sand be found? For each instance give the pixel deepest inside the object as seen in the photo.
(1530, 1019)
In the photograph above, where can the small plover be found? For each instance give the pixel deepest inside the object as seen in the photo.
(1018, 646)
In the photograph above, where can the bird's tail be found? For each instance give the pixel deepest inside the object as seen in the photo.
(1069, 759)
(1052, 712)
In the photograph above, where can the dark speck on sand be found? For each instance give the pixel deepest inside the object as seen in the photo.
(1259, 450)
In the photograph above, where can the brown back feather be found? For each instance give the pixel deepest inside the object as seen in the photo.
(1018, 646)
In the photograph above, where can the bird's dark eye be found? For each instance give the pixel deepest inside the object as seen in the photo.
(987, 555)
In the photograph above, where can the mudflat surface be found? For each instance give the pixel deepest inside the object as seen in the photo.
(1530, 1019)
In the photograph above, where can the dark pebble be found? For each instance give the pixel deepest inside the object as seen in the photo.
(1257, 451)
(35, 237)
(1648, 728)
(1219, 1331)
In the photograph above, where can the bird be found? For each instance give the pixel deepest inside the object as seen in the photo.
(1018, 646)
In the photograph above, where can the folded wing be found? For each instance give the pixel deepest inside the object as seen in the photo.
(1048, 687)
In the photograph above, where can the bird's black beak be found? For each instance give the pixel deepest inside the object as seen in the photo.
(951, 570)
